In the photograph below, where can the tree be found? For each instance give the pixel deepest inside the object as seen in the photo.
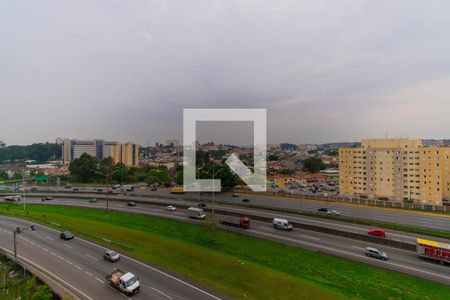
(313, 164)
(39, 152)
(85, 168)
(272, 157)
(221, 171)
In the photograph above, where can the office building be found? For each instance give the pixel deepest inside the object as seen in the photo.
(126, 153)
(396, 170)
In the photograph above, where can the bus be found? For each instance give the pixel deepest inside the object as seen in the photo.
(177, 190)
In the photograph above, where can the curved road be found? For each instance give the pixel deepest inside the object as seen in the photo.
(78, 265)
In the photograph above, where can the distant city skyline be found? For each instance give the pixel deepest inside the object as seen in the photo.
(324, 71)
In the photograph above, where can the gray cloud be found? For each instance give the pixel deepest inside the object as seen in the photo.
(124, 70)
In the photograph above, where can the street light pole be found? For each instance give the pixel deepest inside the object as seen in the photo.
(23, 188)
(15, 232)
(107, 191)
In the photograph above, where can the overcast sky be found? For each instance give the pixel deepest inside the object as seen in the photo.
(124, 70)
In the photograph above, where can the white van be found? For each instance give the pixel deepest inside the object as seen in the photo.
(282, 224)
(195, 213)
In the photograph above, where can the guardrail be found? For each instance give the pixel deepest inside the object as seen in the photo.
(352, 200)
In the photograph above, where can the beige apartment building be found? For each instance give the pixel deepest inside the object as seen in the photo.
(396, 169)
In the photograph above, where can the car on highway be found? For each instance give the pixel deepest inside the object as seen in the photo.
(334, 212)
(93, 200)
(235, 195)
(111, 255)
(153, 188)
(374, 252)
(245, 200)
(282, 224)
(99, 190)
(66, 235)
(201, 205)
(46, 198)
(171, 208)
(322, 209)
(376, 232)
(131, 203)
(75, 189)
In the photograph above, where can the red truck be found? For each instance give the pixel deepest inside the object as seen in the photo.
(242, 222)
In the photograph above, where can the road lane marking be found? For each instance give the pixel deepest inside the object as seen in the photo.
(78, 267)
(68, 246)
(70, 263)
(89, 274)
(91, 257)
(162, 293)
(49, 238)
(99, 280)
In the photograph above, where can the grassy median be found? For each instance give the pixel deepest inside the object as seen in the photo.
(240, 266)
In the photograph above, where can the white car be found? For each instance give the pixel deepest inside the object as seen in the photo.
(334, 212)
(171, 208)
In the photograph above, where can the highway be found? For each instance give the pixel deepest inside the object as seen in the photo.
(78, 265)
(417, 219)
(400, 260)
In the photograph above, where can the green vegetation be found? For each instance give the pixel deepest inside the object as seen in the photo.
(241, 266)
(39, 152)
(313, 165)
(12, 285)
(88, 169)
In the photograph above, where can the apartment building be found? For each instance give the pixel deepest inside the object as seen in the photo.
(396, 169)
(126, 153)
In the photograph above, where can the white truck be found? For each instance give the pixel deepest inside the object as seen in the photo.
(13, 198)
(126, 283)
(195, 213)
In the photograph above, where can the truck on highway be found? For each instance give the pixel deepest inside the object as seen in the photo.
(127, 188)
(240, 222)
(436, 251)
(13, 198)
(195, 213)
(126, 283)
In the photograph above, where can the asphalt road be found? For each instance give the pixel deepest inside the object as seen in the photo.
(396, 216)
(400, 260)
(78, 265)
(428, 220)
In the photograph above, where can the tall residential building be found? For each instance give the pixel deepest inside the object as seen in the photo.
(396, 169)
(126, 153)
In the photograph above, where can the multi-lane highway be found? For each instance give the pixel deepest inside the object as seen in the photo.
(78, 266)
(400, 260)
(411, 218)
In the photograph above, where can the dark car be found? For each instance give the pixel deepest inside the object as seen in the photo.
(245, 200)
(322, 209)
(66, 235)
(93, 200)
(111, 256)
(153, 188)
(46, 198)
(75, 189)
(99, 190)
(131, 203)
(201, 205)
